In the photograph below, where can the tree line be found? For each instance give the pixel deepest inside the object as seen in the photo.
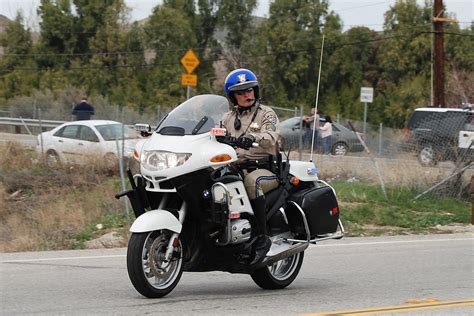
(92, 47)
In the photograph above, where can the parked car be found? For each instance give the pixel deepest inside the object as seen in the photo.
(74, 142)
(466, 142)
(343, 139)
(433, 133)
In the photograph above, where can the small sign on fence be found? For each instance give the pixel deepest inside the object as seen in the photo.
(367, 94)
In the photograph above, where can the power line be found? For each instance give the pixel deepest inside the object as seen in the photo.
(151, 66)
(156, 51)
(362, 6)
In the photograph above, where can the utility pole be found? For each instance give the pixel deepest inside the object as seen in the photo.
(438, 84)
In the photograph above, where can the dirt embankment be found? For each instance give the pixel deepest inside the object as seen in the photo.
(43, 208)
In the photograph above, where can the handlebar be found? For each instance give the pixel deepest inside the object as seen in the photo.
(232, 141)
(228, 140)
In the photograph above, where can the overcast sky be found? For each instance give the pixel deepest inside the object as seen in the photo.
(352, 12)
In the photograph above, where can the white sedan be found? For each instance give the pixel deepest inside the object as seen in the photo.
(79, 141)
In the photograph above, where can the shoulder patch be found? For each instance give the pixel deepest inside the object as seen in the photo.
(270, 127)
(271, 117)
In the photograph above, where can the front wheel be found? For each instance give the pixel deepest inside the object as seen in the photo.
(280, 274)
(151, 275)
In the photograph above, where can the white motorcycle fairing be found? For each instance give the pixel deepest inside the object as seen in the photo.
(203, 147)
(156, 220)
(304, 170)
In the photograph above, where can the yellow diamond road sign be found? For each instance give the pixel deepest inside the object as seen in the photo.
(189, 80)
(190, 61)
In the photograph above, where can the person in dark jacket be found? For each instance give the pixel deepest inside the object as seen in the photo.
(83, 110)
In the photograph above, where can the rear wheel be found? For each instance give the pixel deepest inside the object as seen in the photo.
(339, 149)
(427, 155)
(280, 274)
(150, 274)
(52, 158)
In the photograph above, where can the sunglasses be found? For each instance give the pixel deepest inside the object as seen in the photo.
(242, 92)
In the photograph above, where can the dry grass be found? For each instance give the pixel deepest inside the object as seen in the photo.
(44, 208)
(404, 172)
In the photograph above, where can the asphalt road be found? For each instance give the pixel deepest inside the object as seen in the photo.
(430, 274)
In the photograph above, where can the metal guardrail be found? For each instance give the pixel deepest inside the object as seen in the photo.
(49, 124)
(10, 121)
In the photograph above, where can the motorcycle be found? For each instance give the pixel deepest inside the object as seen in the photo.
(193, 213)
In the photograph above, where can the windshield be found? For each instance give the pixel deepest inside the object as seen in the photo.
(195, 116)
(114, 131)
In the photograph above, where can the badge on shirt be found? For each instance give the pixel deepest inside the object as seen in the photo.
(254, 127)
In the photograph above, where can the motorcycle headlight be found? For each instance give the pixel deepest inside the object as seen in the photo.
(156, 160)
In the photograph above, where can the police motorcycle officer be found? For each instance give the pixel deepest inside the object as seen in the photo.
(251, 122)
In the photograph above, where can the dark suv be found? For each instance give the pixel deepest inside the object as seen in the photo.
(433, 133)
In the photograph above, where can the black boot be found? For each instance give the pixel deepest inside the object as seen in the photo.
(260, 248)
(263, 242)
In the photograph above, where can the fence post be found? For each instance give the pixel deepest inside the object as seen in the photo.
(300, 136)
(380, 139)
(472, 199)
(41, 132)
(120, 154)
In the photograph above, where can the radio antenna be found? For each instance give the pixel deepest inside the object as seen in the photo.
(317, 98)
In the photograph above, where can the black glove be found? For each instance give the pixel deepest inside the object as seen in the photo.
(245, 141)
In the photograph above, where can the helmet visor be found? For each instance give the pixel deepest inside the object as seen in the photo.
(243, 86)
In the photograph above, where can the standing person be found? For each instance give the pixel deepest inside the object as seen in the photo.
(250, 121)
(83, 110)
(326, 135)
(311, 127)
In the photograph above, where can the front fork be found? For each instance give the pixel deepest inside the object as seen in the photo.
(174, 240)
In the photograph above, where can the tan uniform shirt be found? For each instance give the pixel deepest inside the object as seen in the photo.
(310, 121)
(263, 127)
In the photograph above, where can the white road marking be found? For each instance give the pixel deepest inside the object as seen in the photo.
(325, 245)
(395, 242)
(62, 258)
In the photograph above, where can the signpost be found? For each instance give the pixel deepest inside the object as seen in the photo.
(189, 61)
(366, 96)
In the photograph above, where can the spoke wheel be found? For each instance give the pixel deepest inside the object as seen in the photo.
(52, 159)
(280, 274)
(151, 275)
(427, 156)
(339, 149)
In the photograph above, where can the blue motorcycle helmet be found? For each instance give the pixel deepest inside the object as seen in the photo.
(238, 80)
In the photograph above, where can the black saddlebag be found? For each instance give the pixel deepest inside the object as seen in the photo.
(321, 210)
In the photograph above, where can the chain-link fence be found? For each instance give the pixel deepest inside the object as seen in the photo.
(433, 154)
(436, 147)
(50, 109)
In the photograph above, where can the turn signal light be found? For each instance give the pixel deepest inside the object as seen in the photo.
(221, 158)
(136, 155)
(295, 181)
